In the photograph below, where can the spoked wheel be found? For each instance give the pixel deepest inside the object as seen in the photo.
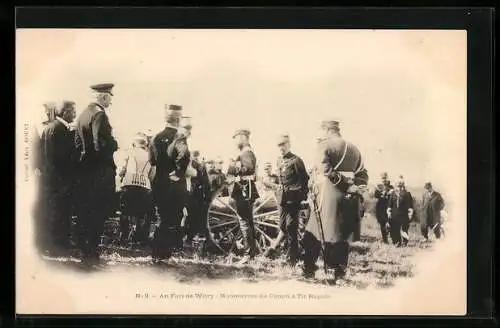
(224, 228)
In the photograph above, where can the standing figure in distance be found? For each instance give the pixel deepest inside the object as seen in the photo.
(337, 172)
(169, 187)
(382, 193)
(97, 171)
(432, 212)
(244, 192)
(399, 213)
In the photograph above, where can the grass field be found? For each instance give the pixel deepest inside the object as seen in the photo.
(371, 263)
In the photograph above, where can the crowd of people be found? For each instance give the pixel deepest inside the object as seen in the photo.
(74, 163)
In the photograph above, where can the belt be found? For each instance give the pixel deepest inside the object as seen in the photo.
(248, 177)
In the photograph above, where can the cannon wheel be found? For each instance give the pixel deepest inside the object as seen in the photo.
(223, 223)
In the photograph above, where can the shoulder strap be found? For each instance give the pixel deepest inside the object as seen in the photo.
(342, 158)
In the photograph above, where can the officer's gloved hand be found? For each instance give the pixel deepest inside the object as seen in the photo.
(410, 213)
(353, 189)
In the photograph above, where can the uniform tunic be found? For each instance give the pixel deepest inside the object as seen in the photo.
(399, 204)
(97, 172)
(171, 158)
(245, 193)
(382, 194)
(293, 180)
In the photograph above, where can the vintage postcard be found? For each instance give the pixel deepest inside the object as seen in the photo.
(244, 172)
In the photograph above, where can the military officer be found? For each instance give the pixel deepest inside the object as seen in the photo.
(97, 170)
(399, 213)
(293, 180)
(382, 193)
(170, 155)
(338, 171)
(242, 172)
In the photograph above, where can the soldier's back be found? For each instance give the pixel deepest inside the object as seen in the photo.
(161, 142)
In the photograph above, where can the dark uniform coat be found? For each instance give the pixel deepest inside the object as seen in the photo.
(171, 158)
(400, 201)
(96, 173)
(293, 179)
(382, 194)
(244, 166)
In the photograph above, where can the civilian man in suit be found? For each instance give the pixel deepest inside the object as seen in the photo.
(169, 187)
(60, 164)
(242, 172)
(97, 170)
(432, 212)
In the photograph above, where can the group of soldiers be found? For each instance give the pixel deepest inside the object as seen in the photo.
(76, 169)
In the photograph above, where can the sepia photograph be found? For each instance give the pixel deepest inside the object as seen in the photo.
(241, 171)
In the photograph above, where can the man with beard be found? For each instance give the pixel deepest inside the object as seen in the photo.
(169, 154)
(242, 173)
(432, 212)
(60, 158)
(382, 194)
(338, 172)
(399, 213)
(97, 171)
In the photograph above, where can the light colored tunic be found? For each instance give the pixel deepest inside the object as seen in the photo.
(137, 169)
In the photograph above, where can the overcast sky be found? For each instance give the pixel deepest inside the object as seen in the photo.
(399, 95)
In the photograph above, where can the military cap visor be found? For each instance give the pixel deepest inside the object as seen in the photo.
(241, 132)
(103, 88)
(173, 107)
(283, 140)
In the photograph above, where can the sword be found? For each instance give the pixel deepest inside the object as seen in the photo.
(319, 222)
